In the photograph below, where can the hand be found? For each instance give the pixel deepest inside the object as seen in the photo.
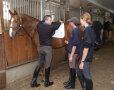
(61, 21)
(66, 42)
(81, 66)
(70, 59)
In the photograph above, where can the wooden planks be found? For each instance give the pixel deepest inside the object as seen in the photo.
(2, 59)
(22, 49)
(19, 50)
(2, 79)
(2, 64)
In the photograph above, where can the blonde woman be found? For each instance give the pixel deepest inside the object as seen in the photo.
(86, 52)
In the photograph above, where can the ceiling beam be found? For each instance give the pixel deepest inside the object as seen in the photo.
(96, 3)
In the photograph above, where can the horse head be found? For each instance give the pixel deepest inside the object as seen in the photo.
(15, 24)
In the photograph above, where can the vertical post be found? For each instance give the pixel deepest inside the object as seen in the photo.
(2, 59)
(41, 9)
(80, 9)
(67, 3)
(62, 10)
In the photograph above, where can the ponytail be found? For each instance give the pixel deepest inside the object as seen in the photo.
(87, 17)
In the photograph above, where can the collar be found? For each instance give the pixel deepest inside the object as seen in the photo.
(87, 27)
(75, 28)
(45, 23)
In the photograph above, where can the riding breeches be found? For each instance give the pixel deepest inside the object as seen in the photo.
(84, 76)
(45, 56)
(73, 63)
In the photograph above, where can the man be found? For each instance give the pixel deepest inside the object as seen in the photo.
(45, 31)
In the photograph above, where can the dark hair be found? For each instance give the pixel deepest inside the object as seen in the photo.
(46, 17)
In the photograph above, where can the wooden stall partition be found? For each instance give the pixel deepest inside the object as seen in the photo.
(2, 64)
(2, 59)
(19, 50)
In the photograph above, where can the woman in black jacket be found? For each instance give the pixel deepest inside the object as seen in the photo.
(73, 50)
(86, 52)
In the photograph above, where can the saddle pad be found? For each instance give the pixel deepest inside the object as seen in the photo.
(60, 32)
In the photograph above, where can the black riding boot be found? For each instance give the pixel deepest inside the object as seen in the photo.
(34, 79)
(89, 84)
(68, 82)
(81, 79)
(71, 85)
(47, 74)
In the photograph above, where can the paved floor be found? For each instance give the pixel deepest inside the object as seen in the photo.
(102, 70)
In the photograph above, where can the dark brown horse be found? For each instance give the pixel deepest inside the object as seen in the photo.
(29, 24)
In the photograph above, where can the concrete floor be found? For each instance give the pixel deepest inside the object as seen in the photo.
(102, 70)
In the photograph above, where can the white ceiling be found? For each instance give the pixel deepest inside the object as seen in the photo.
(106, 4)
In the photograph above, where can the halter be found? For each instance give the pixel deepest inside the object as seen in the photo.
(20, 27)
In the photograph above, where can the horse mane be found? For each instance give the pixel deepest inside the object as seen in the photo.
(31, 22)
(29, 17)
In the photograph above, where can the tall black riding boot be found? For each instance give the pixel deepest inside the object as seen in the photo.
(72, 81)
(68, 82)
(34, 79)
(82, 82)
(89, 84)
(47, 74)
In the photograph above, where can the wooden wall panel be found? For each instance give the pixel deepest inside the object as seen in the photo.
(2, 62)
(2, 80)
(8, 49)
(22, 49)
(2, 57)
(19, 50)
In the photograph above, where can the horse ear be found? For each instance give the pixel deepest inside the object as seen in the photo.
(15, 12)
(10, 12)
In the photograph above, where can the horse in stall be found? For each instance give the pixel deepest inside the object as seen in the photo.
(29, 24)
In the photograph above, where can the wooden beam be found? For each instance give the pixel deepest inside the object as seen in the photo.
(67, 7)
(1, 17)
(62, 10)
(2, 59)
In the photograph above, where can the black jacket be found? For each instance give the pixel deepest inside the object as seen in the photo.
(88, 42)
(74, 40)
(46, 31)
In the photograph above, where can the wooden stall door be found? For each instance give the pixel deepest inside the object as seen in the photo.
(19, 50)
(2, 60)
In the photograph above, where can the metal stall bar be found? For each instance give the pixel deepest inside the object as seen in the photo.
(28, 6)
(41, 8)
(37, 10)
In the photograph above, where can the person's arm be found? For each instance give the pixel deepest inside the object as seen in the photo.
(66, 41)
(76, 41)
(85, 52)
(56, 25)
(87, 44)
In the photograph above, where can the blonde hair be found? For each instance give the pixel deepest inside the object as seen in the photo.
(87, 17)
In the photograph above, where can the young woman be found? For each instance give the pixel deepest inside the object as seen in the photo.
(86, 52)
(73, 50)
